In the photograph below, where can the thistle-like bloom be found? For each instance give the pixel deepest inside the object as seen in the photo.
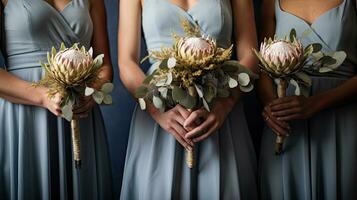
(69, 68)
(195, 48)
(281, 58)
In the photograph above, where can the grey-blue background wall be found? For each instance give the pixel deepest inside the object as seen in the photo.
(118, 116)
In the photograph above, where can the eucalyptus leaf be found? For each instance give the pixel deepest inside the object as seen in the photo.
(316, 47)
(169, 78)
(88, 91)
(108, 99)
(296, 85)
(243, 79)
(67, 112)
(232, 83)
(163, 64)
(304, 77)
(142, 103)
(99, 60)
(248, 88)
(157, 102)
(292, 35)
(161, 82)
(98, 97)
(107, 88)
(141, 92)
(163, 91)
(199, 91)
(148, 79)
(171, 63)
(178, 94)
(209, 92)
(205, 105)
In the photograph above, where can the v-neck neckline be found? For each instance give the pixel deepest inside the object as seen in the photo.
(55, 9)
(182, 9)
(316, 19)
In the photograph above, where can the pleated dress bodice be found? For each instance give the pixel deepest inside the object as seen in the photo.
(33, 27)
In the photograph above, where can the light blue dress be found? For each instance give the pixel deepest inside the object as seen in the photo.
(320, 155)
(155, 165)
(35, 146)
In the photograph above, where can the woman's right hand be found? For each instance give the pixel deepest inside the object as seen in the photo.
(51, 104)
(173, 121)
(279, 127)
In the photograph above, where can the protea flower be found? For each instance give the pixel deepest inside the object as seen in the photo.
(281, 58)
(196, 48)
(73, 66)
(69, 72)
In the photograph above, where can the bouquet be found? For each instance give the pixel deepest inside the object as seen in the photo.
(194, 72)
(70, 72)
(288, 62)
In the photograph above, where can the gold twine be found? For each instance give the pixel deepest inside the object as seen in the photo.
(76, 142)
(282, 86)
(190, 158)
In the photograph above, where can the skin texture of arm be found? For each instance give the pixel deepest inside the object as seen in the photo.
(245, 40)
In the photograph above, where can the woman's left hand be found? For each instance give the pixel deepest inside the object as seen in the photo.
(294, 108)
(84, 106)
(210, 121)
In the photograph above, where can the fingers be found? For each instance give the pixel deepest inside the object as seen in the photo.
(182, 111)
(180, 140)
(268, 114)
(194, 116)
(201, 129)
(291, 117)
(274, 126)
(286, 112)
(206, 135)
(281, 100)
(180, 130)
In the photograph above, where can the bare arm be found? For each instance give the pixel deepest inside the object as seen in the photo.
(129, 44)
(266, 89)
(245, 33)
(100, 39)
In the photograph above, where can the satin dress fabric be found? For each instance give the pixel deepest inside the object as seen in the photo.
(35, 146)
(155, 165)
(320, 155)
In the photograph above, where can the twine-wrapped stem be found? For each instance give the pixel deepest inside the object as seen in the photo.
(281, 89)
(76, 143)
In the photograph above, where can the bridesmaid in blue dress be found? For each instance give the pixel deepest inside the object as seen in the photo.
(35, 145)
(320, 155)
(155, 165)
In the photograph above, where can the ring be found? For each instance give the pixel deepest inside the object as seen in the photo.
(267, 118)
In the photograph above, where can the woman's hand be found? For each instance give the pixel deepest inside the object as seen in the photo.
(172, 121)
(84, 106)
(294, 108)
(210, 121)
(51, 104)
(279, 127)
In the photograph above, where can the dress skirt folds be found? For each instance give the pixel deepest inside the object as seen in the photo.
(155, 165)
(320, 155)
(35, 146)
